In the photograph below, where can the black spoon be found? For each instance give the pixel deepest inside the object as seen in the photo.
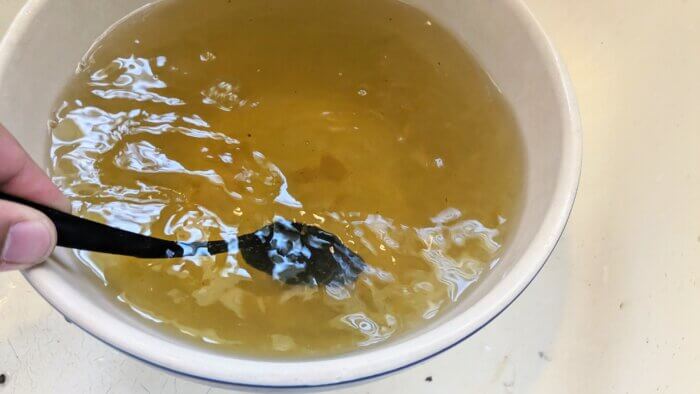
(293, 253)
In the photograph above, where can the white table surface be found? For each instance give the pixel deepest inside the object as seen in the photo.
(616, 309)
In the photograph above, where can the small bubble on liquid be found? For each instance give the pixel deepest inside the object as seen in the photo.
(207, 56)
(362, 92)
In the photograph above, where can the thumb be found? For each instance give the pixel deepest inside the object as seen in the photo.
(27, 237)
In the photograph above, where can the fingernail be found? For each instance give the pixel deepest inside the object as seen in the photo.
(27, 242)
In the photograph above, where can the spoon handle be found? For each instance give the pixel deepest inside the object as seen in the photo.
(78, 233)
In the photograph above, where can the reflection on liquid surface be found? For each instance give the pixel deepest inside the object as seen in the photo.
(199, 123)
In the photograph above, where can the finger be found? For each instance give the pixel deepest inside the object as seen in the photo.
(20, 176)
(27, 237)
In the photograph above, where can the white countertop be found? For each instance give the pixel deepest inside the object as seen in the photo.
(615, 310)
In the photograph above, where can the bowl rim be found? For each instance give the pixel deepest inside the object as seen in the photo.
(331, 372)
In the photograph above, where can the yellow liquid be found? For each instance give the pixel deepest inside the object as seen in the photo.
(200, 120)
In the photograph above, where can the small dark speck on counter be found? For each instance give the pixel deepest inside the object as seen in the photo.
(622, 305)
(544, 356)
(429, 379)
(3, 378)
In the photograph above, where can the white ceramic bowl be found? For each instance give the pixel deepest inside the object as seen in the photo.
(48, 38)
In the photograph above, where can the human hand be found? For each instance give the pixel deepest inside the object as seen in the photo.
(27, 236)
